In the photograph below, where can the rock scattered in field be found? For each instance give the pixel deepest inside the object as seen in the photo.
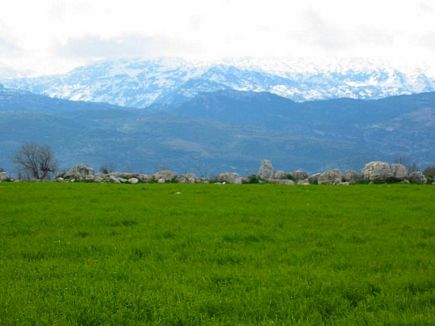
(282, 182)
(124, 175)
(3, 176)
(314, 178)
(377, 171)
(114, 179)
(79, 172)
(373, 172)
(352, 176)
(330, 177)
(188, 178)
(266, 170)
(417, 177)
(89, 178)
(280, 175)
(167, 175)
(299, 175)
(145, 178)
(230, 177)
(400, 172)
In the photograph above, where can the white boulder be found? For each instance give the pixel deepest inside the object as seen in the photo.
(377, 171)
(230, 177)
(167, 175)
(266, 170)
(417, 177)
(330, 177)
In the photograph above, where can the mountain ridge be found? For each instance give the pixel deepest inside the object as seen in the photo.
(223, 131)
(142, 83)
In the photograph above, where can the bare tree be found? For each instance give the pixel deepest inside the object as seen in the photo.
(412, 166)
(35, 162)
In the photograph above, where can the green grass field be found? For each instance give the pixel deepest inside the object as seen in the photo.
(105, 254)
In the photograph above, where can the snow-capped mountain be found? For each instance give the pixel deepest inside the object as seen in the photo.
(141, 83)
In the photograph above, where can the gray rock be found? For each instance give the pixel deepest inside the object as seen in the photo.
(282, 182)
(89, 178)
(330, 177)
(79, 172)
(266, 170)
(314, 178)
(280, 175)
(400, 172)
(114, 179)
(188, 178)
(161, 180)
(230, 177)
(377, 171)
(133, 180)
(167, 175)
(299, 175)
(98, 179)
(352, 176)
(122, 180)
(145, 178)
(3, 176)
(303, 182)
(417, 177)
(60, 179)
(125, 175)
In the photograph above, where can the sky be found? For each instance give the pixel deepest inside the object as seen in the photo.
(54, 36)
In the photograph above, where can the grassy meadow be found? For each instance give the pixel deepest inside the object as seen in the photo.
(172, 254)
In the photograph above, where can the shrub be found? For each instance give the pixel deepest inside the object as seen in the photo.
(392, 180)
(429, 173)
(290, 177)
(252, 179)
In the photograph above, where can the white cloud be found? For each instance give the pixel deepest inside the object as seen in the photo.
(53, 35)
(94, 47)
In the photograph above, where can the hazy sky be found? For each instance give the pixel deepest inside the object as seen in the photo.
(47, 36)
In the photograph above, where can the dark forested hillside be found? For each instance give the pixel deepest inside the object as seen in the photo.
(225, 130)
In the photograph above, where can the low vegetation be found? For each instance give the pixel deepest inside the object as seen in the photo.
(429, 173)
(174, 254)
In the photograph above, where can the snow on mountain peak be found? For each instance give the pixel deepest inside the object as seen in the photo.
(140, 83)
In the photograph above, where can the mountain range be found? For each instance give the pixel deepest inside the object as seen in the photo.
(207, 132)
(164, 82)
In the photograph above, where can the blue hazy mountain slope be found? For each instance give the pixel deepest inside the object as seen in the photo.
(21, 100)
(224, 130)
